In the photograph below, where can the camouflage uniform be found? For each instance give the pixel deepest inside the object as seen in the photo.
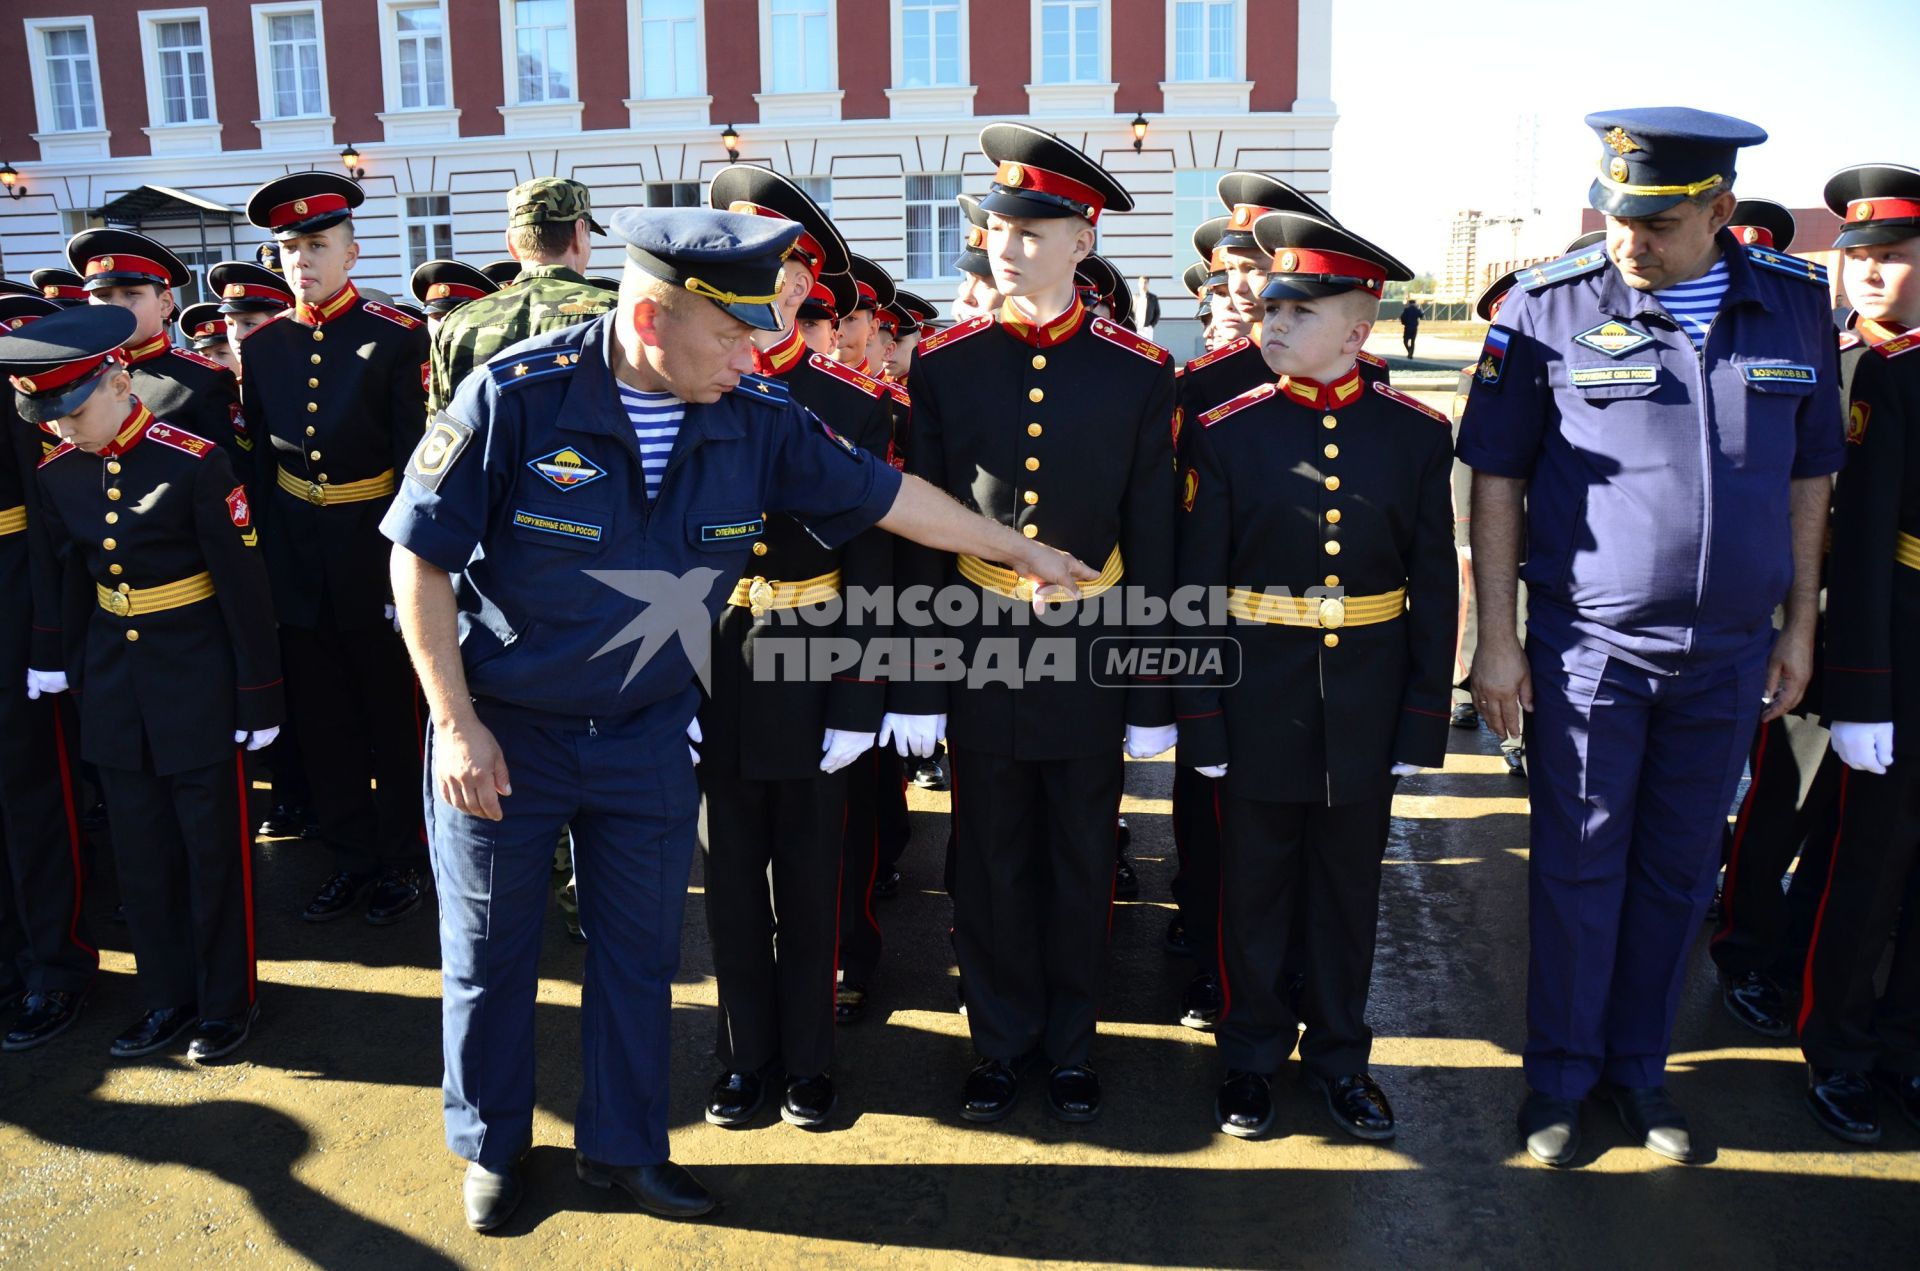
(544, 297)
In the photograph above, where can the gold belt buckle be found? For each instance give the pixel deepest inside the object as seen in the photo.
(759, 596)
(316, 494)
(118, 604)
(1333, 613)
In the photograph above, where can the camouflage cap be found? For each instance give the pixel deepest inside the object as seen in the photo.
(549, 200)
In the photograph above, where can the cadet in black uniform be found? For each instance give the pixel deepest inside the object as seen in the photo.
(977, 295)
(62, 286)
(1060, 424)
(168, 630)
(249, 294)
(1320, 504)
(184, 388)
(442, 286)
(336, 389)
(46, 959)
(205, 331)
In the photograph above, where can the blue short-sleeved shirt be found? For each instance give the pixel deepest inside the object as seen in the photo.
(532, 478)
(1659, 479)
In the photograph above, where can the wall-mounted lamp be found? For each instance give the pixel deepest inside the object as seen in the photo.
(730, 138)
(350, 159)
(1139, 132)
(10, 182)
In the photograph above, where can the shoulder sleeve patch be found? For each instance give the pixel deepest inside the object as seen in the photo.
(899, 394)
(1393, 394)
(1220, 354)
(517, 372)
(55, 453)
(847, 375)
(179, 439)
(1791, 266)
(1898, 345)
(1114, 333)
(200, 359)
(1208, 418)
(1576, 266)
(394, 316)
(760, 388)
(1858, 413)
(442, 443)
(952, 335)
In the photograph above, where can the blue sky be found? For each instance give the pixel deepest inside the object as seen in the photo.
(1436, 100)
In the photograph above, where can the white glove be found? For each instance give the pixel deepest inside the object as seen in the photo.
(913, 734)
(840, 748)
(693, 735)
(1868, 747)
(393, 616)
(256, 740)
(39, 682)
(1145, 743)
(1405, 769)
(1213, 770)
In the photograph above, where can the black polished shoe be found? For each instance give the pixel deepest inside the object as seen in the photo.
(990, 1090)
(1244, 1105)
(43, 1016)
(1516, 761)
(1358, 1104)
(218, 1038)
(1073, 1093)
(809, 1102)
(926, 773)
(1176, 941)
(849, 1004)
(1465, 715)
(887, 886)
(735, 1099)
(1123, 837)
(491, 1196)
(1904, 1088)
(337, 895)
(1841, 1100)
(154, 1031)
(394, 896)
(284, 822)
(1200, 1004)
(1755, 1000)
(1550, 1127)
(1651, 1115)
(1126, 883)
(665, 1190)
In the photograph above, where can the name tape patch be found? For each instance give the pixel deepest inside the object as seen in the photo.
(1781, 373)
(1595, 376)
(732, 530)
(585, 531)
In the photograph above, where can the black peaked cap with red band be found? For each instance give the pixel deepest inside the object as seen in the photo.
(441, 286)
(758, 191)
(1038, 175)
(832, 295)
(122, 258)
(1098, 274)
(973, 257)
(1762, 223)
(502, 272)
(873, 282)
(304, 203)
(1313, 258)
(62, 286)
(56, 362)
(1206, 241)
(1248, 196)
(202, 325)
(244, 287)
(1880, 203)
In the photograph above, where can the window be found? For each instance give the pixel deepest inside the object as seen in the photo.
(420, 56)
(674, 194)
(1195, 199)
(1070, 41)
(802, 46)
(198, 261)
(73, 91)
(670, 56)
(819, 189)
(180, 48)
(933, 225)
(293, 65)
(429, 220)
(543, 50)
(1204, 39)
(929, 43)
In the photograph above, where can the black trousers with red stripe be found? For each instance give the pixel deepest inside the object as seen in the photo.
(773, 942)
(1196, 840)
(1282, 865)
(1033, 898)
(43, 939)
(185, 861)
(1871, 893)
(864, 854)
(1789, 810)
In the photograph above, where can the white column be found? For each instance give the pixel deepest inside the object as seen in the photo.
(1315, 71)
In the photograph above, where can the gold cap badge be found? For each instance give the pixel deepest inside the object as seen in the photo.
(1863, 212)
(300, 207)
(1013, 174)
(1287, 262)
(1617, 168)
(1620, 141)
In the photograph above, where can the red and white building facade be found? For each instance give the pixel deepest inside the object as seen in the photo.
(875, 104)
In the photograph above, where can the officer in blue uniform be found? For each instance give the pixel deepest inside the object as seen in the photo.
(559, 659)
(1663, 408)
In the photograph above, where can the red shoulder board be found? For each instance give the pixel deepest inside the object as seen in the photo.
(269, 322)
(1394, 394)
(847, 375)
(1224, 351)
(180, 439)
(1114, 333)
(1178, 371)
(953, 334)
(55, 453)
(899, 394)
(1371, 359)
(1848, 339)
(1208, 418)
(1898, 344)
(394, 316)
(200, 359)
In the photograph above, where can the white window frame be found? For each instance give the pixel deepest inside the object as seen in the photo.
(811, 106)
(414, 123)
(541, 117)
(284, 132)
(150, 51)
(937, 101)
(691, 109)
(1232, 95)
(70, 143)
(937, 206)
(407, 223)
(1093, 97)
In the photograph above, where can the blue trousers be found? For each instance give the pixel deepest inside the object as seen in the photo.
(626, 787)
(1631, 775)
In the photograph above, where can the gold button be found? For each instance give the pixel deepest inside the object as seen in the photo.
(322, 478)
(1036, 395)
(115, 569)
(1333, 548)
(108, 544)
(1329, 422)
(124, 589)
(1331, 640)
(1332, 483)
(1032, 497)
(759, 549)
(1331, 451)
(1034, 430)
(114, 494)
(113, 466)
(314, 358)
(313, 454)
(318, 334)
(314, 383)
(113, 518)
(311, 430)
(133, 637)
(1039, 364)
(1333, 580)
(1031, 531)
(1333, 516)
(312, 407)
(1033, 464)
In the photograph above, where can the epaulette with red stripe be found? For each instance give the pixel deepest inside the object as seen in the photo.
(1114, 333)
(1898, 344)
(394, 316)
(1371, 359)
(1224, 351)
(1208, 418)
(200, 359)
(952, 335)
(899, 394)
(179, 439)
(1393, 394)
(55, 453)
(847, 375)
